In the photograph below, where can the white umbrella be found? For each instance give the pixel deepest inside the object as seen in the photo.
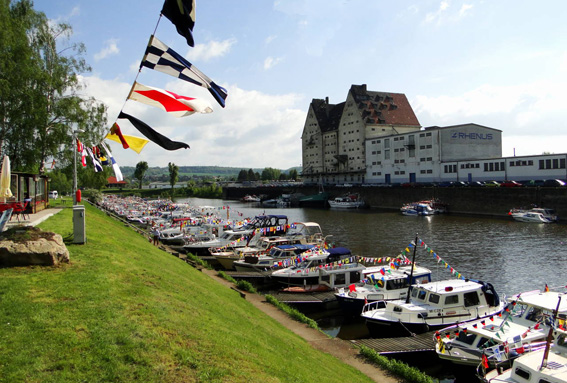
(5, 175)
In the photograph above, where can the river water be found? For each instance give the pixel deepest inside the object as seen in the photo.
(513, 256)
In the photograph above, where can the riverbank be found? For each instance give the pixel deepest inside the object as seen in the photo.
(136, 313)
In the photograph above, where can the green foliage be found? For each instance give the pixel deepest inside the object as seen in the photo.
(41, 100)
(208, 191)
(224, 275)
(93, 195)
(173, 175)
(293, 313)
(269, 174)
(60, 182)
(246, 286)
(401, 369)
(140, 172)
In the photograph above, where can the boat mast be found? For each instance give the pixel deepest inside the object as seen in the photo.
(550, 336)
(411, 272)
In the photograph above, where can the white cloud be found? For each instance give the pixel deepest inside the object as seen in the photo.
(210, 50)
(254, 130)
(446, 13)
(269, 39)
(530, 115)
(270, 62)
(111, 48)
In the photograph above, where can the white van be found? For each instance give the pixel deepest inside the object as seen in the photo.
(53, 194)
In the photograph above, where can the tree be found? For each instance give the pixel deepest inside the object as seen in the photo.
(293, 174)
(140, 172)
(270, 174)
(251, 175)
(173, 175)
(242, 176)
(40, 100)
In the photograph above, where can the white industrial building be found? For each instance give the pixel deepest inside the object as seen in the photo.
(375, 138)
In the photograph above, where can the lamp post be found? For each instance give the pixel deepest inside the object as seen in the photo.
(74, 134)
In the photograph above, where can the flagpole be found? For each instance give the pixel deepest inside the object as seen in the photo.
(411, 272)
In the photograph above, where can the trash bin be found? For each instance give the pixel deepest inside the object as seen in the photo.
(79, 233)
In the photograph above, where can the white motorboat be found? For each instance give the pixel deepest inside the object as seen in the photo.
(231, 238)
(535, 215)
(251, 198)
(274, 259)
(348, 201)
(417, 209)
(226, 256)
(546, 365)
(523, 326)
(424, 207)
(303, 270)
(433, 306)
(387, 283)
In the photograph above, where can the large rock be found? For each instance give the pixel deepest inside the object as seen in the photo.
(46, 249)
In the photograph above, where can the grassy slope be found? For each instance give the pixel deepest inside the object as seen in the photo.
(123, 310)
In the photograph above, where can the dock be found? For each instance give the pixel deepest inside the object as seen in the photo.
(384, 346)
(320, 297)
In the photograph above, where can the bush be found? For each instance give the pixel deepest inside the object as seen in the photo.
(293, 313)
(92, 195)
(401, 369)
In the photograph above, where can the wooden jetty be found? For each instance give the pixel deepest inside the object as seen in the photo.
(320, 297)
(418, 343)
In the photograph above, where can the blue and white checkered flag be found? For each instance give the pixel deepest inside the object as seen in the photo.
(160, 57)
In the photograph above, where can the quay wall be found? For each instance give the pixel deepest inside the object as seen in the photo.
(489, 201)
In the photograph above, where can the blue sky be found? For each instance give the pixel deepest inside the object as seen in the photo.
(502, 64)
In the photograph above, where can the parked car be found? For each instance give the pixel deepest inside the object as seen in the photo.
(492, 184)
(53, 194)
(511, 184)
(532, 183)
(553, 183)
(475, 184)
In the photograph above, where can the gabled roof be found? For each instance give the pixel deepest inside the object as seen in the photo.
(375, 108)
(383, 107)
(328, 115)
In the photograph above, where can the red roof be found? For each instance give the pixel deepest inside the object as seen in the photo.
(112, 180)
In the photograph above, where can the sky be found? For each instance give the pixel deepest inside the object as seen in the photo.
(500, 63)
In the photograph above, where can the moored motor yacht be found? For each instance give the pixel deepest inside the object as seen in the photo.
(433, 306)
(534, 215)
(348, 201)
(545, 365)
(522, 327)
(304, 269)
(387, 283)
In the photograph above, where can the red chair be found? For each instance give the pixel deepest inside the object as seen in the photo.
(19, 209)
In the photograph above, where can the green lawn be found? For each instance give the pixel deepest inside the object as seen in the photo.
(123, 310)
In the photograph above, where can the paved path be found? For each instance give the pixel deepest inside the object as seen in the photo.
(33, 220)
(341, 349)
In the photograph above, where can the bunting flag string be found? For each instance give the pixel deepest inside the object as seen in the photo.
(160, 57)
(172, 103)
(453, 272)
(152, 135)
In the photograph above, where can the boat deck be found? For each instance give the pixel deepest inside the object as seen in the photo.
(417, 343)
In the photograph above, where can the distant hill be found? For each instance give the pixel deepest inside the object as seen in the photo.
(198, 171)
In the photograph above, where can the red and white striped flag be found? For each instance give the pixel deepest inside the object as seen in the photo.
(175, 104)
